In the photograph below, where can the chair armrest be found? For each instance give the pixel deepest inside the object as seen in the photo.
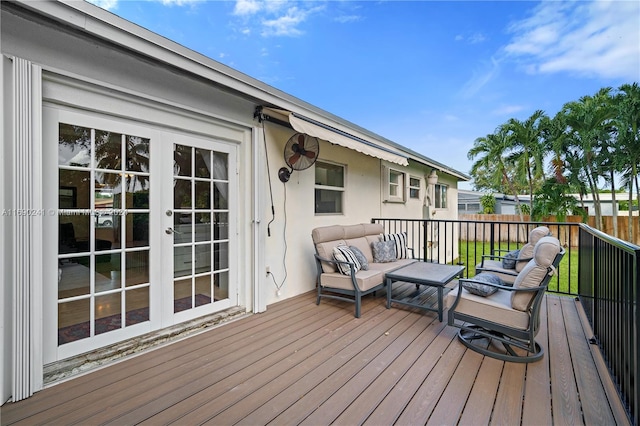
(319, 261)
(511, 272)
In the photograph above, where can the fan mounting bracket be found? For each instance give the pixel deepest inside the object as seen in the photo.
(284, 174)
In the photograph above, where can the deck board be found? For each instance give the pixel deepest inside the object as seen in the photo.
(299, 363)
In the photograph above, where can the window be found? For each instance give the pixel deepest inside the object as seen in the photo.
(396, 191)
(329, 188)
(414, 187)
(441, 196)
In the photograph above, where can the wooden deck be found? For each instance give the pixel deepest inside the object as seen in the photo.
(299, 363)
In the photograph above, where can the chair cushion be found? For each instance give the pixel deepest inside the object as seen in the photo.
(509, 260)
(364, 263)
(508, 276)
(536, 270)
(526, 251)
(480, 289)
(344, 254)
(384, 251)
(400, 240)
(496, 308)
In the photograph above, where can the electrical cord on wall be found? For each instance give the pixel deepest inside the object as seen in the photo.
(273, 217)
(266, 154)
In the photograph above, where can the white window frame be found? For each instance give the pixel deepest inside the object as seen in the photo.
(413, 188)
(440, 199)
(332, 188)
(400, 186)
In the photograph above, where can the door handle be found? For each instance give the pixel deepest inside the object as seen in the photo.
(170, 231)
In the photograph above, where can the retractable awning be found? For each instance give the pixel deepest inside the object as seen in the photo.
(328, 133)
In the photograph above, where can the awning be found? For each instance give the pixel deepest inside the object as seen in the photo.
(330, 134)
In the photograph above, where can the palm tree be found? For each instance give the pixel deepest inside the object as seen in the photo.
(492, 150)
(529, 149)
(588, 121)
(627, 122)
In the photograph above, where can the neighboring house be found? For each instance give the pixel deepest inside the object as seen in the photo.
(469, 202)
(105, 121)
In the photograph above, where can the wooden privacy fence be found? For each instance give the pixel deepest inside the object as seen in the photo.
(517, 232)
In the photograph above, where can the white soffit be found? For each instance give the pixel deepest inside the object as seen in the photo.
(330, 134)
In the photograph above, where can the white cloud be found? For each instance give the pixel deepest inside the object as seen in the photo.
(472, 39)
(274, 17)
(508, 110)
(599, 38)
(481, 78)
(247, 7)
(344, 19)
(105, 4)
(285, 25)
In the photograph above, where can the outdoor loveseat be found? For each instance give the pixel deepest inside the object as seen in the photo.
(345, 274)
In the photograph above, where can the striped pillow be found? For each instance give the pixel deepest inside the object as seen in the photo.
(344, 254)
(401, 243)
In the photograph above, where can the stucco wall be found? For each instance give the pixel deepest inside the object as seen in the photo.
(289, 250)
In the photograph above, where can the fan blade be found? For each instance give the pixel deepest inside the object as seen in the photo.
(310, 154)
(301, 141)
(294, 159)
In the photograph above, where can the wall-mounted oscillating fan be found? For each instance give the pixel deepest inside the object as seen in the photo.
(300, 152)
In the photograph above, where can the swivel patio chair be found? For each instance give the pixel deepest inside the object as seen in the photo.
(510, 316)
(496, 263)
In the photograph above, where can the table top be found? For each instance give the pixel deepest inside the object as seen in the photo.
(426, 273)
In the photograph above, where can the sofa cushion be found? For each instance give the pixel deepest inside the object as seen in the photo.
(364, 262)
(364, 279)
(391, 266)
(325, 250)
(400, 240)
(344, 254)
(384, 251)
(476, 286)
(363, 244)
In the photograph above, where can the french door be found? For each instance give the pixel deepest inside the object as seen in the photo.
(198, 223)
(144, 226)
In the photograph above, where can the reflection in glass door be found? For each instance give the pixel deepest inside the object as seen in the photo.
(200, 227)
(103, 232)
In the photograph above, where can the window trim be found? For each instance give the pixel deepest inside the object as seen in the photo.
(437, 202)
(402, 186)
(341, 190)
(413, 187)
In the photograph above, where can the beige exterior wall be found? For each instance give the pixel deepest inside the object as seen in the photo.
(289, 250)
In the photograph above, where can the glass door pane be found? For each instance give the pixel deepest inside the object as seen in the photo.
(200, 220)
(103, 231)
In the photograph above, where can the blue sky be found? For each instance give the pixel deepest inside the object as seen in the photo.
(429, 75)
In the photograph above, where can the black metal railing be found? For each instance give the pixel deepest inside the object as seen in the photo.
(602, 271)
(608, 291)
(465, 242)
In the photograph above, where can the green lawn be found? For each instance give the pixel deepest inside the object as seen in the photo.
(471, 255)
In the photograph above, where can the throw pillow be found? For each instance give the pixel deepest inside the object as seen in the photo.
(400, 239)
(509, 260)
(344, 254)
(364, 263)
(482, 289)
(384, 251)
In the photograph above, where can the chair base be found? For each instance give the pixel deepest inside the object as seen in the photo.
(469, 334)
